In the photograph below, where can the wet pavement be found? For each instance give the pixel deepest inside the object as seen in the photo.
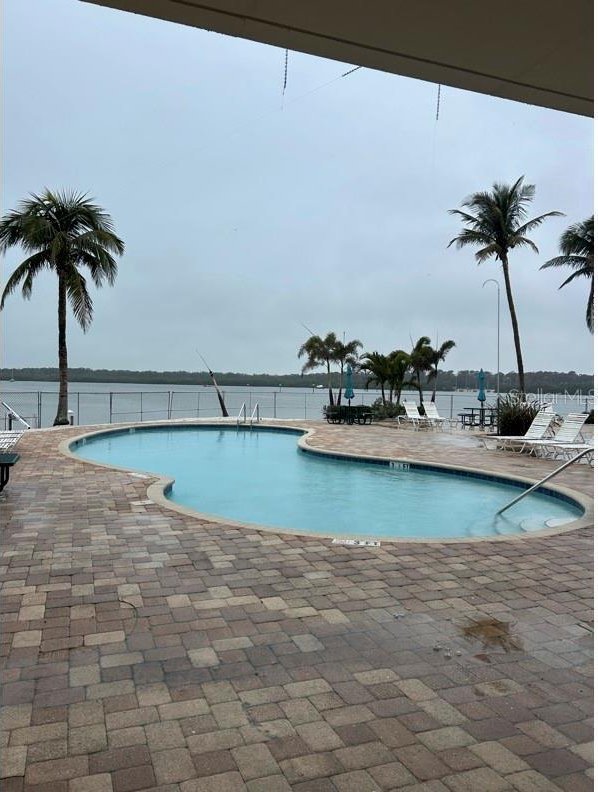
(145, 649)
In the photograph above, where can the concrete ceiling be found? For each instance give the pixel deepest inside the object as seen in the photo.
(534, 51)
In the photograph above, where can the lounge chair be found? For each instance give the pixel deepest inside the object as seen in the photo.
(436, 420)
(9, 438)
(538, 429)
(412, 416)
(564, 440)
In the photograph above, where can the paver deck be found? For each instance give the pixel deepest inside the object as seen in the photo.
(144, 649)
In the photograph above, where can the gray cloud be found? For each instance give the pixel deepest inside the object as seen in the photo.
(244, 215)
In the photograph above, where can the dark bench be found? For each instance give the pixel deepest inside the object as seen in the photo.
(6, 462)
(343, 413)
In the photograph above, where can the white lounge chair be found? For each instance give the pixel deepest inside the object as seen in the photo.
(412, 416)
(538, 429)
(564, 440)
(436, 420)
(10, 438)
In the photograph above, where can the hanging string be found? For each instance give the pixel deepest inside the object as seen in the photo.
(346, 74)
(438, 103)
(286, 71)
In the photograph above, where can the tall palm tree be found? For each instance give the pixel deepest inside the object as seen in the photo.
(62, 232)
(421, 363)
(577, 248)
(320, 352)
(343, 354)
(399, 365)
(377, 366)
(496, 222)
(438, 356)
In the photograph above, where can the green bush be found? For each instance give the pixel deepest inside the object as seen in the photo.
(515, 415)
(380, 411)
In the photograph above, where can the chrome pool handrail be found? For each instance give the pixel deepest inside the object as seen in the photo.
(566, 464)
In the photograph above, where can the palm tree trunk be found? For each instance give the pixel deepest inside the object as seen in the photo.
(590, 308)
(419, 387)
(516, 339)
(330, 394)
(62, 417)
(383, 394)
(340, 385)
(435, 382)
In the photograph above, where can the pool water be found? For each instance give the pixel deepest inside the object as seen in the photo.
(262, 477)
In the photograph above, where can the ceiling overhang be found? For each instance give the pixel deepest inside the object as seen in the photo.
(535, 51)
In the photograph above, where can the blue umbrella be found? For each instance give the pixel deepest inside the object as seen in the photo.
(482, 386)
(349, 393)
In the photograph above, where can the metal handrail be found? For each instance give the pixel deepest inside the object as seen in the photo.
(255, 414)
(242, 411)
(14, 414)
(566, 464)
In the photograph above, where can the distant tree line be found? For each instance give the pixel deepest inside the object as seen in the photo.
(547, 381)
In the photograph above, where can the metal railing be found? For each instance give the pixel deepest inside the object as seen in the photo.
(255, 415)
(11, 415)
(101, 406)
(242, 412)
(529, 491)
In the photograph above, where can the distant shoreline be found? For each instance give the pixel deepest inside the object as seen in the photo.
(546, 381)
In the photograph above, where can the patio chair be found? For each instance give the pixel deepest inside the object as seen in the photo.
(564, 439)
(9, 438)
(412, 416)
(436, 420)
(538, 429)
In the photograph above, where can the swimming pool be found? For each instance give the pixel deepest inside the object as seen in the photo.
(263, 477)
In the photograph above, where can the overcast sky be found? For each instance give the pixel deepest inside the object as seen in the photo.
(245, 215)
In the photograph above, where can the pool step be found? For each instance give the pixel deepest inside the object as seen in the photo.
(531, 524)
(556, 522)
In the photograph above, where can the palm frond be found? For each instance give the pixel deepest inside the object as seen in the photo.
(79, 298)
(574, 276)
(25, 272)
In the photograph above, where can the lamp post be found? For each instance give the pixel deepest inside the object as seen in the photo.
(493, 280)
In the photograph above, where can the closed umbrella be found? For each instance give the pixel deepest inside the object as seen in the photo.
(482, 386)
(349, 392)
(482, 395)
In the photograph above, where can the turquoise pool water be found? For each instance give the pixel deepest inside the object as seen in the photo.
(262, 477)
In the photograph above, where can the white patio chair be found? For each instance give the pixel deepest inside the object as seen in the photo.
(437, 420)
(9, 438)
(538, 429)
(413, 417)
(563, 441)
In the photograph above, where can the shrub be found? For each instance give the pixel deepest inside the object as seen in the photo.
(515, 415)
(380, 411)
(590, 418)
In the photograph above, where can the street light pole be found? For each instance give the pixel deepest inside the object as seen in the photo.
(493, 280)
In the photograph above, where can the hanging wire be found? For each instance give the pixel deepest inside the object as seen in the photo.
(286, 71)
(438, 103)
(346, 74)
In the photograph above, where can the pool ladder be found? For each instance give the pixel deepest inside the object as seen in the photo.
(254, 417)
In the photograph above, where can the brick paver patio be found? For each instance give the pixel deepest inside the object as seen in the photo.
(144, 649)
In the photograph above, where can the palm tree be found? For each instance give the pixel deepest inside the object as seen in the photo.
(343, 354)
(377, 366)
(437, 356)
(320, 352)
(62, 232)
(495, 224)
(421, 363)
(399, 365)
(577, 247)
